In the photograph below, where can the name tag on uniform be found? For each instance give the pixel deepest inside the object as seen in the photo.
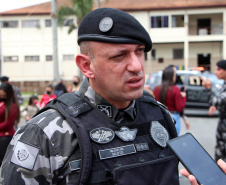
(116, 152)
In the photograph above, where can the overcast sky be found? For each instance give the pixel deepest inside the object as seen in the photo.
(6, 5)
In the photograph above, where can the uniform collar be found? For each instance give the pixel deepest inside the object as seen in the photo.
(86, 91)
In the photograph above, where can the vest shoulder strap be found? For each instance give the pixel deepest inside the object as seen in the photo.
(69, 105)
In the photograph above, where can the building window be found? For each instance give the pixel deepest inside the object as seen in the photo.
(49, 58)
(31, 24)
(153, 54)
(68, 22)
(11, 59)
(32, 58)
(159, 21)
(9, 24)
(48, 23)
(68, 57)
(177, 21)
(178, 53)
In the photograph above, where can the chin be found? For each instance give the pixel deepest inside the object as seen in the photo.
(135, 95)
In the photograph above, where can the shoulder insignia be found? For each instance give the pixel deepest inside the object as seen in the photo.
(25, 155)
(159, 133)
(126, 134)
(102, 135)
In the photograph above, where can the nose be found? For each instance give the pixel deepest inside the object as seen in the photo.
(135, 64)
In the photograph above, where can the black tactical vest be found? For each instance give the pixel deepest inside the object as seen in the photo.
(110, 153)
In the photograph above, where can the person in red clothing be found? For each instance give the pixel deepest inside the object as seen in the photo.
(9, 115)
(170, 95)
(48, 96)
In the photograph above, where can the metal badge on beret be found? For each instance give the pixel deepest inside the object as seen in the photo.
(126, 134)
(102, 135)
(106, 24)
(159, 133)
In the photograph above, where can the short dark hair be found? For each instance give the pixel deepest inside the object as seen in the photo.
(4, 78)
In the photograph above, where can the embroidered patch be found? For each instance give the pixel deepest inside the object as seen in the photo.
(159, 133)
(106, 109)
(106, 24)
(126, 134)
(24, 155)
(142, 147)
(102, 135)
(116, 152)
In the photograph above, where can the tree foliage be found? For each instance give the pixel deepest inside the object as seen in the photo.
(79, 9)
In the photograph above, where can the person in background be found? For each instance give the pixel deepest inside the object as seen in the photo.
(32, 108)
(75, 86)
(9, 115)
(48, 96)
(218, 102)
(5, 79)
(60, 88)
(170, 95)
(179, 81)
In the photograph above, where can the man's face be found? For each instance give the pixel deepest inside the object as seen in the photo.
(118, 72)
(220, 73)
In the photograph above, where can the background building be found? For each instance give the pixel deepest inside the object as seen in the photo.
(187, 33)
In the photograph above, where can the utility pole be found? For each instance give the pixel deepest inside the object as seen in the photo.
(55, 43)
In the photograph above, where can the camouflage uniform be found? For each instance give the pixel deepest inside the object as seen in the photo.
(51, 141)
(219, 101)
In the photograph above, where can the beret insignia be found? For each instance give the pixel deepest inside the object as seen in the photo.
(106, 24)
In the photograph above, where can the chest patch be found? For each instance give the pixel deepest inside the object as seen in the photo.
(116, 152)
(102, 135)
(126, 134)
(159, 133)
(24, 155)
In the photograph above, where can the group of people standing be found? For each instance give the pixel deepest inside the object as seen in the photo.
(10, 101)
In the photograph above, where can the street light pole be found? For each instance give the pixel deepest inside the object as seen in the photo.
(55, 43)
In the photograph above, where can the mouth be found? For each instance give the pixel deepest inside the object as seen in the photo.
(135, 82)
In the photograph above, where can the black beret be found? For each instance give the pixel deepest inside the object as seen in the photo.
(113, 26)
(222, 64)
(4, 78)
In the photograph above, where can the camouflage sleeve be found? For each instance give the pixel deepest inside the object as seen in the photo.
(219, 101)
(38, 150)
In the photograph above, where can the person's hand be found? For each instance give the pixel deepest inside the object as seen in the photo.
(212, 109)
(183, 94)
(222, 165)
(192, 179)
(206, 83)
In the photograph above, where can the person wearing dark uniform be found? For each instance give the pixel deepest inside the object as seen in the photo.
(110, 131)
(218, 102)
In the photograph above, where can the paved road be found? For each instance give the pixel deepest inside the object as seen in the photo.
(203, 128)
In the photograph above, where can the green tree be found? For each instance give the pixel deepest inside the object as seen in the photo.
(79, 9)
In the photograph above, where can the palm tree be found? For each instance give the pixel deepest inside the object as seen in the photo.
(79, 9)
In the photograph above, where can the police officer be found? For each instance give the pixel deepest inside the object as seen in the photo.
(108, 132)
(218, 102)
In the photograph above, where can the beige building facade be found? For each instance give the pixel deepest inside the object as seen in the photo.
(185, 37)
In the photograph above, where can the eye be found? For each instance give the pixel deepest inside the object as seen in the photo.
(118, 56)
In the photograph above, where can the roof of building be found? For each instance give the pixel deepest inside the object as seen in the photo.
(126, 5)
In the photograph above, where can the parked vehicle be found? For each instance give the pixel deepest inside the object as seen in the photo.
(197, 95)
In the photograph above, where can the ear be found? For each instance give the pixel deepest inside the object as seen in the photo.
(84, 62)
